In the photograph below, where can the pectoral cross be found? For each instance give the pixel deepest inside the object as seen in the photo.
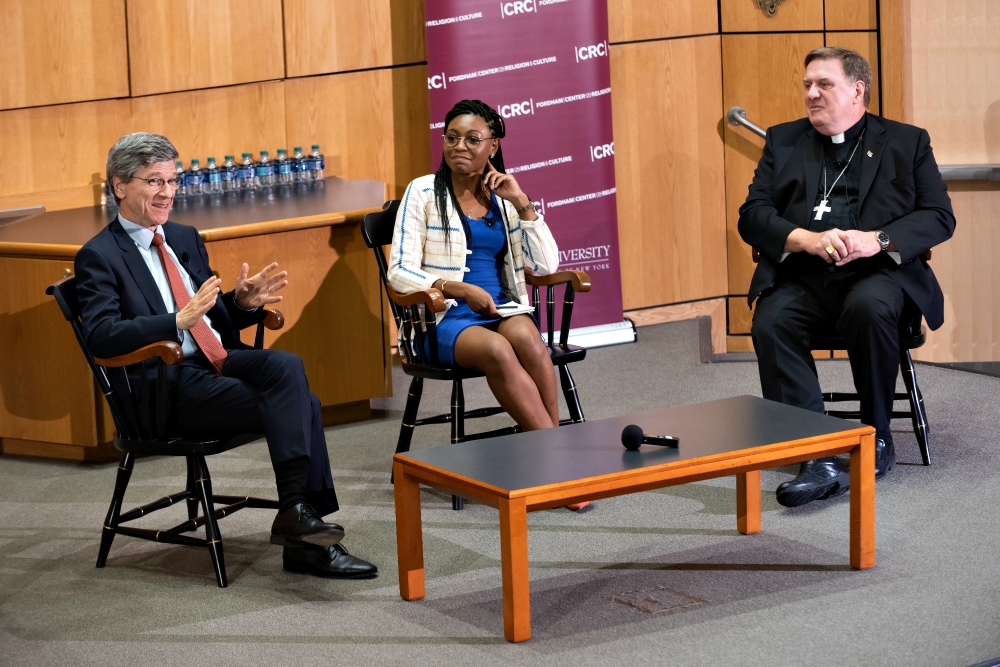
(821, 209)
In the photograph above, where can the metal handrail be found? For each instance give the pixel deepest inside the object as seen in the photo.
(970, 172)
(738, 116)
(949, 172)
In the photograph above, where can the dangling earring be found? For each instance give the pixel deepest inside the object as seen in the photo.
(491, 155)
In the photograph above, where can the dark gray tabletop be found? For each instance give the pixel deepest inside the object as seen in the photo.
(594, 448)
(78, 225)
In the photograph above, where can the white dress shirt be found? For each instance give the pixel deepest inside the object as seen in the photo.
(143, 239)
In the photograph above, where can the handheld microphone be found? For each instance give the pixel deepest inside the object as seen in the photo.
(632, 437)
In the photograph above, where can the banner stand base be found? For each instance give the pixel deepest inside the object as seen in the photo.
(615, 333)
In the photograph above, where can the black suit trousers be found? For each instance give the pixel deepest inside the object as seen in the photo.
(260, 391)
(863, 309)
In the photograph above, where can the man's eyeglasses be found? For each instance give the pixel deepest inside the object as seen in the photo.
(158, 183)
(472, 141)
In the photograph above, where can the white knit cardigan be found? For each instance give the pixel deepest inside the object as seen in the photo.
(419, 255)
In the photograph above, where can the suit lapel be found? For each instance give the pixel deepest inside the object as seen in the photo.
(137, 267)
(874, 145)
(812, 163)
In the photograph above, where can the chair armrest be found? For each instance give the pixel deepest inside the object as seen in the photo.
(431, 298)
(169, 351)
(579, 279)
(273, 319)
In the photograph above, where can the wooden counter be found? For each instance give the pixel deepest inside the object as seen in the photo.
(335, 318)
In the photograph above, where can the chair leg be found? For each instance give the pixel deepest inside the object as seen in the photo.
(203, 487)
(114, 511)
(569, 392)
(457, 427)
(192, 501)
(410, 415)
(920, 428)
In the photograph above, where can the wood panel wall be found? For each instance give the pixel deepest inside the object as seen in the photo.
(952, 77)
(666, 95)
(53, 52)
(212, 78)
(669, 170)
(189, 44)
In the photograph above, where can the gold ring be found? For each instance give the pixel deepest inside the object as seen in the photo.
(829, 249)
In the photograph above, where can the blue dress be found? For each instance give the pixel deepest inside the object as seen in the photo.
(488, 242)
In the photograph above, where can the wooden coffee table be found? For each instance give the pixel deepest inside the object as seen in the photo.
(544, 469)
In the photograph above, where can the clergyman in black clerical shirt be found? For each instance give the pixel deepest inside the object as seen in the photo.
(842, 208)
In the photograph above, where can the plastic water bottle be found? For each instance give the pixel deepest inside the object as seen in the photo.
(284, 168)
(227, 175)
(194, 178)
(265, 170)
(181, 188)
(245, 179)
(317, 163)
(214, 181)
(300, 167)
(107, 194)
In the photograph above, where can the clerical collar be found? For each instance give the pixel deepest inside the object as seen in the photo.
(852, 132)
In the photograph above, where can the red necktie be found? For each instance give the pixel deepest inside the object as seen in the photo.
(202, 334)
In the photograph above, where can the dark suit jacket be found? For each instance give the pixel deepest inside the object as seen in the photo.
(901, 193)
(121, 306)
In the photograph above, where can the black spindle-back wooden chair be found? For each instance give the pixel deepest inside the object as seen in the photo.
(912, 334)
(135, 386)
(414, 315)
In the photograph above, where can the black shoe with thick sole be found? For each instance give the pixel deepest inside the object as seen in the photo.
(300, 525)
(885, 457)
(330, 562)
(817, 480)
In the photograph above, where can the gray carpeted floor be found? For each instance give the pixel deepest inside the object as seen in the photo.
(654, 578)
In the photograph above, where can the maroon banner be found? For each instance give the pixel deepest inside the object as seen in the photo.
(543, 65)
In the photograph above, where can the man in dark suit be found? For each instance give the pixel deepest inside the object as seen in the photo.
(841, 209)
(143, 280)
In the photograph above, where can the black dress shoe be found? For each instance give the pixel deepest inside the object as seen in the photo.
(817, 480)
(332, 562)
(300, 525)
(885, 457)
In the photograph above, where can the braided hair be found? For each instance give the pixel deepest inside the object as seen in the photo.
(443, 187)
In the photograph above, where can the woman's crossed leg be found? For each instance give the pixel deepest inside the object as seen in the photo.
(518, 369)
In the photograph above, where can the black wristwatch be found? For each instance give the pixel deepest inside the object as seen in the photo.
(883, 240)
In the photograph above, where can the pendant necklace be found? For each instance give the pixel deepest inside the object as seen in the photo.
(823, 208)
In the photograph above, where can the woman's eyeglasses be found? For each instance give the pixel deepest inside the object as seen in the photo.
(472, 141)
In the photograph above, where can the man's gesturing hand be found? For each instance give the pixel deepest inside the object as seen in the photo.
(200, 303)
(259, 290)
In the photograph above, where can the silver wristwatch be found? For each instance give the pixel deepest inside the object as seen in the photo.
(524, 208)
(883, 240)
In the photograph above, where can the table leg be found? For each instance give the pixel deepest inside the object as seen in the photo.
(748, 502)
(514, 566)
(409, 534)
(863, 504)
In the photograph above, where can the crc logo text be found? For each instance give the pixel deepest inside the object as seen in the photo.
(602, 151)
(526, 108)
(437, 82)
(591, 51)
(517, 7)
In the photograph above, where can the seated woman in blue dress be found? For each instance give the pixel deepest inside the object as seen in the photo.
(469, 231)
